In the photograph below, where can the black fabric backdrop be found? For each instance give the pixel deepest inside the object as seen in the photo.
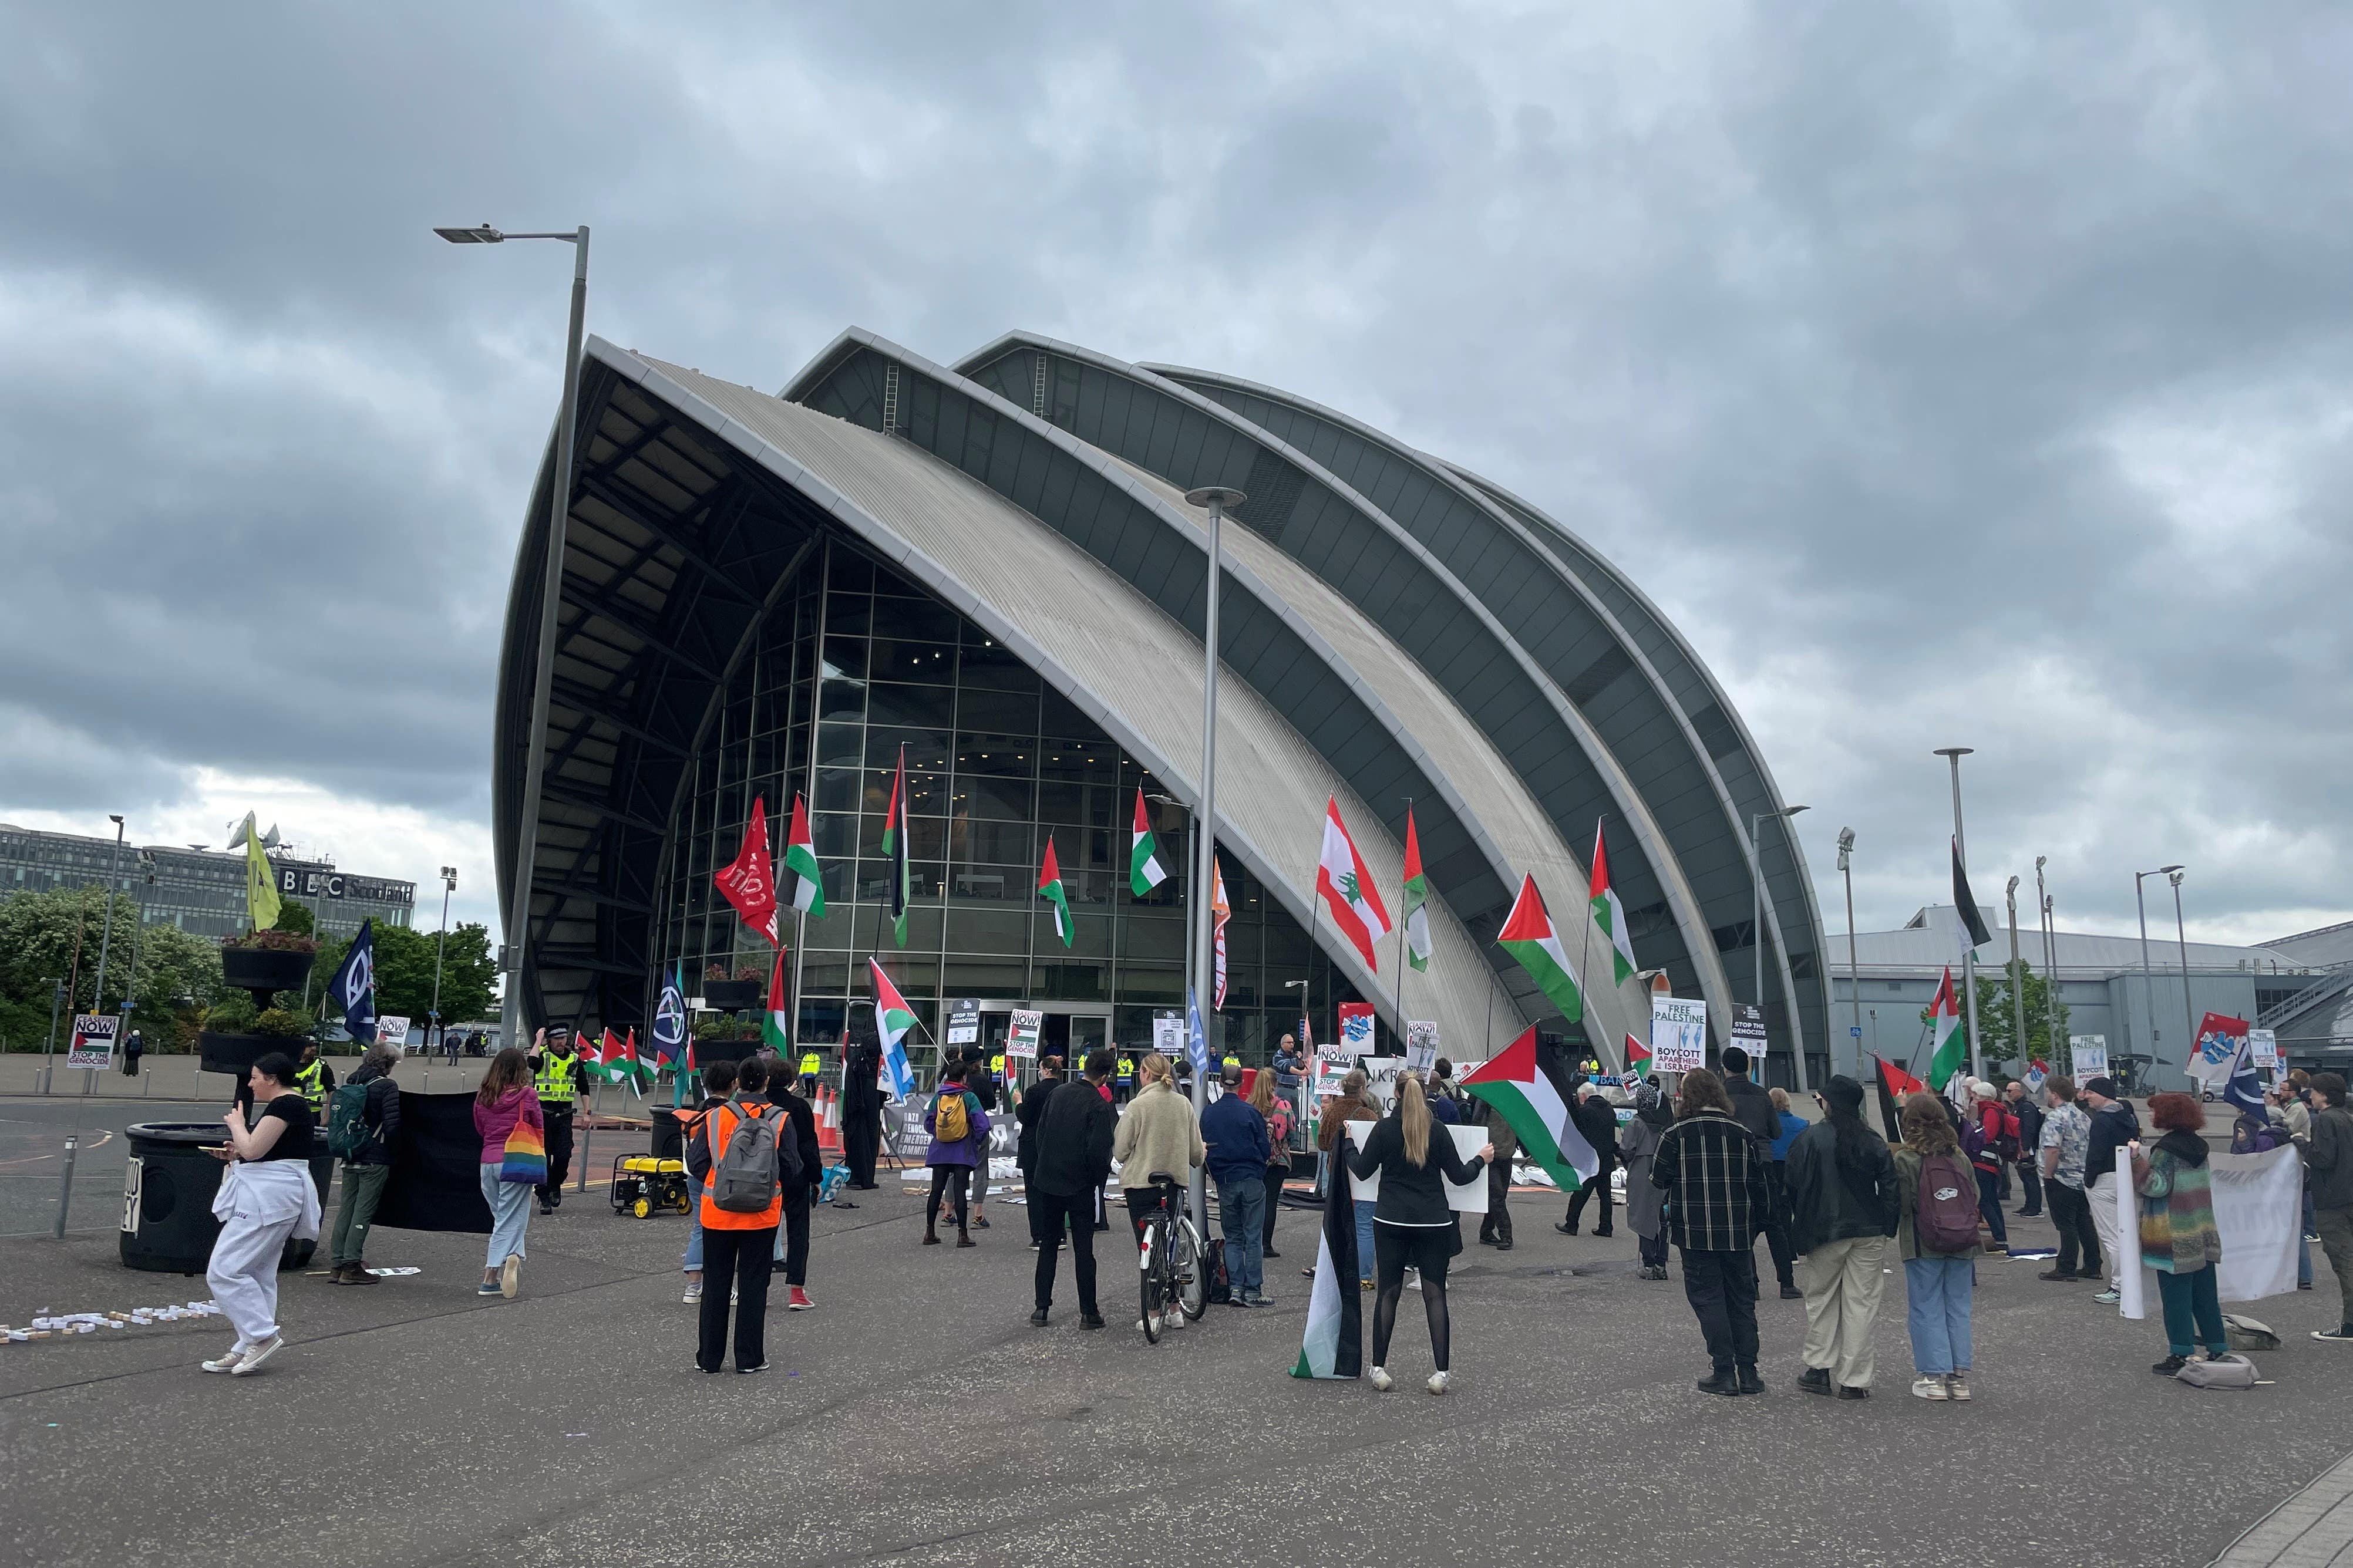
(436, 1182)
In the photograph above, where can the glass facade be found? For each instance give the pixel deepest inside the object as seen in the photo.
(200, 892)
(857, 665)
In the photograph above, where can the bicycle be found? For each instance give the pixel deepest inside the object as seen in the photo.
(1169, 1262)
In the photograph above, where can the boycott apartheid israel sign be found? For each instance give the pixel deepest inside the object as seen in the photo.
(93, 1041)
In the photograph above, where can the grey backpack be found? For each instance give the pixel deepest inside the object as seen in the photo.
(2228, 1372)
(744, 1177)
(2249, 1333)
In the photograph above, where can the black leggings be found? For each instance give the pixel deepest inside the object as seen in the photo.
(1394, 1246)
(1275, 1176)
(951, 1180)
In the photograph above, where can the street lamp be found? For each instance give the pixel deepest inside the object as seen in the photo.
(2050, 959)
(1954, 755)
(511, 954)
(2181, 941)
(1217, 499)
(114, 869)
(1756, 927)
(433, 1017)
(1853, 969)
(2017, 979)
(2147, 984)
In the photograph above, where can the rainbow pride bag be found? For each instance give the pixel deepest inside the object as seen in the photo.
(526, 1157)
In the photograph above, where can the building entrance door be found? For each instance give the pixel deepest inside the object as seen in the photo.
(1065, 1030)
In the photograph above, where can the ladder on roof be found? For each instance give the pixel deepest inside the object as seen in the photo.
(890, 400)
(1038, 389)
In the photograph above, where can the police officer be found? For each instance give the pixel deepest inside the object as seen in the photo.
(313, 1081)
(1126, 1079)
(560, 1078)
(811, 1066)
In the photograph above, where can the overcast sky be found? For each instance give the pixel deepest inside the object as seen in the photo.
(1965, 374)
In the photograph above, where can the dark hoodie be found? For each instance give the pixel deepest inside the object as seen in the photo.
(2114, 1125)
(382, 1117)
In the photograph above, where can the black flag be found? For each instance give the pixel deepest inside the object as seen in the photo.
(1971, 919)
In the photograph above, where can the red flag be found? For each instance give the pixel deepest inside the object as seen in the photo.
(749, 881)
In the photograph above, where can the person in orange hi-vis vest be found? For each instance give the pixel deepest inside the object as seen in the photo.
(738, 1245)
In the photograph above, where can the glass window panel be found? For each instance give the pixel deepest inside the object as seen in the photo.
(926, 837)
(822, 1020)
(840, 789)
(919, 620)
(1002, 843)
(1160, 984)
(1003, 799)
(845, 657)
(828, 975)
(1143, 936)
(1059, 802)
(989, 977)
(873, 927)
(842, 698)
(927, 750)
(840, 745)
(997, 884)
(927, 707)
(848, 615)
(995, 755)
(896, 658)
(1079, 762)
(1069, 982)
(834, 834)
(983, 662)
(886, 581)
(1060, 716)
(1014, 713)
(1089, 931)
(986, 931)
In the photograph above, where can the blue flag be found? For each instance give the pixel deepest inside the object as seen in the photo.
(1196, 1043)
(2243, 1088)
(354, 986)
(669, 1020)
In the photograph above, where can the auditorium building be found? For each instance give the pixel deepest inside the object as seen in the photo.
(991, 568)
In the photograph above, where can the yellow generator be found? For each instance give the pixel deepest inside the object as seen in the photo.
(644, 1185)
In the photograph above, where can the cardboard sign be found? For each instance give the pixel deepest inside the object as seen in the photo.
(1462, 1197)
(1021, 1039)
(1748, 1029)
(1678, 1033)
(2090, 1053)
(1421, 1046)
(1169, 1035)
(2263, 1046)
(2219, 1039)
(392, 1029)
(93, 1041)
(1355, 1028)
(964, 1022)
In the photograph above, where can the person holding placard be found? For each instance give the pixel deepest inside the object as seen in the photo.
(1354, 1105)
(1412, 1223)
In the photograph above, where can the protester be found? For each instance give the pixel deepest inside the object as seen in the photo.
(1987, 1135)
(1277, 1112)
(1290, 1064)
(1940, 1269)
(739, 1243)
(1352, 1105)
(2028, 1117)
(1842, 1198)
(132, 1050)
(366, 1168)
(2328, 1154)
(981, 1084)
(266, 1196)
(1235, 1132)
(560, 1078)
(505, 1108)
(1031, 1113)
(959, 1129)
(1445, 1103)
(792, 1245)
(1646, 1205)
(1495, 1225)
(861, 1111)
(1712, 1170)
(1072, 1160)
(1157, 1136)
(2176, 1235)
(718, 1083)
(1598, 1124)
(2290, 1100)
(1413, 1225)
(2114, 1125)
(1753, 1108)
(2060, 1145)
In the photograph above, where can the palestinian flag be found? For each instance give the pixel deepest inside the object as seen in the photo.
(1638, 1059)
(895, 844)
(1515, 1085)
(1528, 936)
(1416, 909)
(1892, 1081)
(1220, 911)
(1610, 914)
(1966, 902)
(614, 1060)
(800, 859)
(1345, 883)
(776, 1023)
(1951, 1052)
(1049, 888)
(1144, 869)
(1334, 1344)
(892, 1019)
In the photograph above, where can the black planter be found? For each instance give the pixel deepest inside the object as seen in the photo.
(264, 970)
(731, 995)
(238, 1053)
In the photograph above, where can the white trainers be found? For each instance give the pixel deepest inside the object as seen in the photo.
(226, 1362)
(1154, 1327)
(694, 1293)
(1174, 1320)
(1437, 1383)
(1382, 1381)
(257, 1354)
(1930, 1388)
(510, 1276)
(1957, 1386)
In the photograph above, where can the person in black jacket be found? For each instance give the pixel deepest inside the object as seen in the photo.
(2021, 1104)
(1842, 1191)
(1073, 1159)
(1029, 1113)
(792, 1248)
(365, 1169)
(861, 1109)
(2114, 1125)
(1752, 1107)
(1412, 1223)
(1713, 1171)
(1598, 1123)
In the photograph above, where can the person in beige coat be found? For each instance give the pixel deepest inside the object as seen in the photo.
(1158, 1133)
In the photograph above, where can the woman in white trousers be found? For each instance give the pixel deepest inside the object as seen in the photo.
(266, 1196)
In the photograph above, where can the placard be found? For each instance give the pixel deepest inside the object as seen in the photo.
(1748, 1029)
(1421, 1045)
(1462, 1197)
(2090, 1055)
(964, 1022)
(93, 1041)
(2262, 1046)
(1355, 1028)
(392, 1029)
(1021, 1039)
(1678, 1033)
(2219, 1037)
(1169, 1035)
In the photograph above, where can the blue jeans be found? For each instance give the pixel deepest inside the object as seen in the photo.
(694, 1260)
(1364, 1238)
(1939, 1292)
(509, 1216)
(1989, 1204)
(1241, 1210)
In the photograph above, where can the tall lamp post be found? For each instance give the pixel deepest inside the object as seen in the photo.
(106, 932)
(511, 954)
(2181, 941)
(1854, 967)
(2148, 979)
(2017, 980)
(441, 945)
(2050, 961)
(1954, 755)
(1217, 499)
(1756, 927)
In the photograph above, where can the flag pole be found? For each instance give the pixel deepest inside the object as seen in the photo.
(1199, 978)
(1400, 942)
(1585, 947)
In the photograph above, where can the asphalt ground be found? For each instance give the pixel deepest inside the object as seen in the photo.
(916, 1417)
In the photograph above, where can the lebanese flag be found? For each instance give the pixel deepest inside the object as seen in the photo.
(1952, 1045)
(749, 881)
(1417, 899)
(1529, 937)
(1220, 911)
(800, 859)
(1345, 883)
(1515, 1085)
(1638, 1058)
(1609, 913)
(1051, 888)
(1145, 872)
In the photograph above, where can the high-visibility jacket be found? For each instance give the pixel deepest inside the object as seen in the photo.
(1127, 1070)
(1232, 1061)
(310, 1083)
(810, 1064)
(554, 1082)
(718, 1128)
(996, 1064)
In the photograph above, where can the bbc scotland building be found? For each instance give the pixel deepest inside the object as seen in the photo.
(992, 568)
(201, 892)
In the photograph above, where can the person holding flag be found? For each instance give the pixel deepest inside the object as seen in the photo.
(559, 1078)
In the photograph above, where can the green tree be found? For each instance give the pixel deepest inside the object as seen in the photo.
(295, 917)
(1996, 1025)
(404, 971)
(39, 931)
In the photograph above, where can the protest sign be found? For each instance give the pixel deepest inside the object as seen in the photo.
(1169, 1035)
(1748, 1029)
(2264, 1045)
(1678, 1033)
(1421, 1046)
(392, 1029)
(2090, 1055)
(93, 1041)
(1462, 1197)
(1021, 1040)
(1356, 1027)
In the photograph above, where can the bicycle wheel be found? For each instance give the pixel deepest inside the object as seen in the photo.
(1192, 1276)
(1153, 1260)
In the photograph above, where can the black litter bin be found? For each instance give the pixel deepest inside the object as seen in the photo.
(670, 1136)
(168, 1187)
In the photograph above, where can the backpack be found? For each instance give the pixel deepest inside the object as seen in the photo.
(744, 1177)
(1221, 1285)
(1944, 1215)
(2248, 1333)
(2229, 1371)
(347, 1128)
(2005, 1138)
(949, 1123)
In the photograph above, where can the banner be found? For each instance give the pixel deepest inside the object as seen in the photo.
(93, 1041)
(2258, 1212)
(1678, 1033)
(2090, 1054)
(1021, 1040)
(2219, 1039)
(1462, 1197)
(1421, 1046)
(1748, 1029)
(1355, 1028)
